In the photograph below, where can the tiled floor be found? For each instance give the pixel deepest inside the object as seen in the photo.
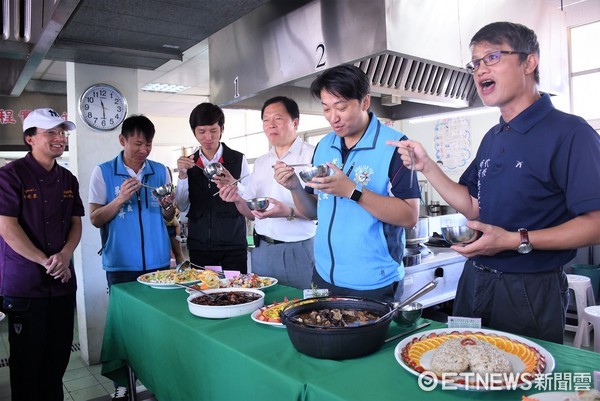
(81, 382)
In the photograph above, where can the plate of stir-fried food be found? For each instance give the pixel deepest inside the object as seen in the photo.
(167, 279)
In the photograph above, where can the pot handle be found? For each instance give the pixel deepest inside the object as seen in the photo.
(424, 290)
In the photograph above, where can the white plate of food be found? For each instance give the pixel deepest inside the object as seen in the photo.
(455, 356)
(220, 303)
(269, 315)
(251, 280)
(166, 279)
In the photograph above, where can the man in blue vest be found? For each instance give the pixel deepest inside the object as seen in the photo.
(130, 217)
(363, 205)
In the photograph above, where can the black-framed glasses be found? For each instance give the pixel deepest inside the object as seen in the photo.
(54, 132)
(489, 59)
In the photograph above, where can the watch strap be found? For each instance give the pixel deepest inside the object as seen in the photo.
(524, 235)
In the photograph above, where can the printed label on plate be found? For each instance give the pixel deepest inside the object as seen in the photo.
(458, 322)
(231, 273)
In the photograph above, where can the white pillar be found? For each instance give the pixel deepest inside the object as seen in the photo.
(87, 148)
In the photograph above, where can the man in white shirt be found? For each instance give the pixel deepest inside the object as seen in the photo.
(283, 237)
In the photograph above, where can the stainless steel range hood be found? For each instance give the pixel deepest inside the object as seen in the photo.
(412, 51)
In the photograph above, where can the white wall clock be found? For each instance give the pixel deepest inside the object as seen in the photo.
(102, 107)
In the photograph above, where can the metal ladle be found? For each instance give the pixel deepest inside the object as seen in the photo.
(399, 305)
(163, 190)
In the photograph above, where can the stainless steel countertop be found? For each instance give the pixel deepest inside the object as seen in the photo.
(441, 257)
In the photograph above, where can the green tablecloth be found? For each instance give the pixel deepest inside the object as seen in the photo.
(179, 356)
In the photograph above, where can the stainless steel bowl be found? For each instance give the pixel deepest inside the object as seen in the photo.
(411, 257)
(460, 234)
(258, 204)
(163, 190)
(213, 169)
(316, 171)
(408, 315)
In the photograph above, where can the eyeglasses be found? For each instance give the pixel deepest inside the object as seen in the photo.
(53, 132)
(489, 59)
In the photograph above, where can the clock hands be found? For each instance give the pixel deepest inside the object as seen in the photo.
(103, 110)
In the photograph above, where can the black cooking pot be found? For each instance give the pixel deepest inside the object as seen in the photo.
(337, 342)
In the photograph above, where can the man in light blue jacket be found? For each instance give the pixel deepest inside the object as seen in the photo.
(364, 204)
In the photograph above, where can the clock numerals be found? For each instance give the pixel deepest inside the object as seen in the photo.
(102, 107)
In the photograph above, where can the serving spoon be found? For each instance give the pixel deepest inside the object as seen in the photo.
(186, 264)
(424, 290)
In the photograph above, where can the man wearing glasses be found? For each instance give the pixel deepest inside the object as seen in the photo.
(40, 226)
(532, 190)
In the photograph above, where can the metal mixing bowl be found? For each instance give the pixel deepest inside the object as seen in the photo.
(408, 315)
(460, 234)
(316, 171)
(258, 204)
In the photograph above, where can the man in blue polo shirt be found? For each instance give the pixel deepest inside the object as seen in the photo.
(533, 186)
(40, 226)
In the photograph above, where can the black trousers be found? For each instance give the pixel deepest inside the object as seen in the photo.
(40, 334)
(235, 259)
(532, 304)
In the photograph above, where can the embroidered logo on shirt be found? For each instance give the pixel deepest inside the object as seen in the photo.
(362, 175)
(68, 194)
(30, 194)
(519, 164)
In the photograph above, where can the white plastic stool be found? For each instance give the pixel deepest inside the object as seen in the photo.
(590, 315)
(584, 297)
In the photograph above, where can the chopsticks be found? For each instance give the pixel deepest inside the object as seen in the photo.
(231, 183)
(295, 165)
(412, 166)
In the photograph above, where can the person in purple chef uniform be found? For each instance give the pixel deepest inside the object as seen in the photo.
(40, 226)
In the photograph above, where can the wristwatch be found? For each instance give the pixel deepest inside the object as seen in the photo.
(525, 245)
(292, 215)
(357, 192)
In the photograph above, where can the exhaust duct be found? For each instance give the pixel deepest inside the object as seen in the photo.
(413, 52)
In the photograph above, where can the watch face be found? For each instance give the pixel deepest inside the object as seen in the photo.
(525, 248)
(102, 107)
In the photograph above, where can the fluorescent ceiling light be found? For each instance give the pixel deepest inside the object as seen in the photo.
(459, 113)
(164, 88)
